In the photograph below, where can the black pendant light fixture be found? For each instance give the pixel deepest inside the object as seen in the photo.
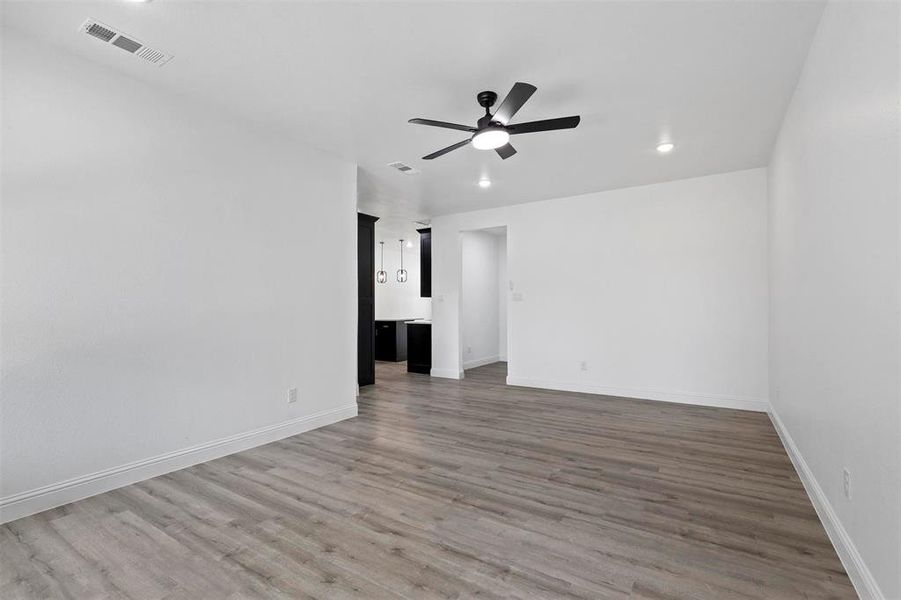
(382, 276)
(401, 272)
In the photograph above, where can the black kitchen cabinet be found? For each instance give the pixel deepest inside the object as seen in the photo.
(419, 348)
(391, 340)
(366, 299)
(425, 262)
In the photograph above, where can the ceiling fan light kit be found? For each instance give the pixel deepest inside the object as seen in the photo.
(492, 132)
(490, 138)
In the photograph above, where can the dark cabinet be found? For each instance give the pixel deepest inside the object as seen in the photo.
(391, 340)
(419, 348)
(425, 262)
(365, 299)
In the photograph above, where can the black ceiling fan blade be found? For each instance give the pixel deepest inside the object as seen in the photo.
(443, 124)
(444, 151)
(513, 102)
(506, 151)
(545, 125)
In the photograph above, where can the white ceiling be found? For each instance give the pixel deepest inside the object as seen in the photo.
(715, 77)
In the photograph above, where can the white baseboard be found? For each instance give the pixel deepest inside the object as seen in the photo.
(446, 373)
(720, 401)
(478, 362)
(863, 580)
(50, 496)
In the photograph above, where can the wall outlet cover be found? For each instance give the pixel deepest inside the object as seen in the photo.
(292, 395)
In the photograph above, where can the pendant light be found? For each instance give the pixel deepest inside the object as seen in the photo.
(382, 276)
(401, 272)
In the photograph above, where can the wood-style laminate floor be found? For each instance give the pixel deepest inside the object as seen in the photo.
(454, 489)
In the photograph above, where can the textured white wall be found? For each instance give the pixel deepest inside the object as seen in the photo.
(834, 257)
(164, 282)
(661, 290)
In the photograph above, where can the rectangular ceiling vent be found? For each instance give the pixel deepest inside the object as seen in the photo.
(100, 32)
(119, 39)
(403, 168)
(126, 44)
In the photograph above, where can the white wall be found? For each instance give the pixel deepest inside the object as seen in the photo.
(168, 274)
(394, 300)
(661, 290)
(503, 297)
(480, 302)
(834, 218)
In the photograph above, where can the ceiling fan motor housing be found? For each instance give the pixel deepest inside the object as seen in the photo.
(485, 121)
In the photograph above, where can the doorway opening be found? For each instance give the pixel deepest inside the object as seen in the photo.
(484, 286)
(403, 304)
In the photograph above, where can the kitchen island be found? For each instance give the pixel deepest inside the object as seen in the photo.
(419, 346)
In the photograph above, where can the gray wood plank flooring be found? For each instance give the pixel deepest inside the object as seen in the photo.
(454, 489)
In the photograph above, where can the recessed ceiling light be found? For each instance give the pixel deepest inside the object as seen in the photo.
(484, 183)
(665, 147)
(490, 138)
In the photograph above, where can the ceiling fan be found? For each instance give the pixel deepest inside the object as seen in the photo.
(492, 132)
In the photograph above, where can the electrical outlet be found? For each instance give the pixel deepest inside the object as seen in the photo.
(292, 395)
(846, 483)
(468, 349)
(583, 366)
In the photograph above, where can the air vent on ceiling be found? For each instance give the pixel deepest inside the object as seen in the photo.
(100, 32)
(403, 168)
(152, 55)
(125, 42)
